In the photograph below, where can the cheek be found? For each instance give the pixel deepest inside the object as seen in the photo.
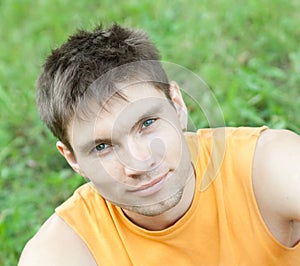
(168, 145)
(108, 178)
(103, 171)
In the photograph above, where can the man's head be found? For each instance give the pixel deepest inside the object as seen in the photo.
(106, 97)
(86, 57)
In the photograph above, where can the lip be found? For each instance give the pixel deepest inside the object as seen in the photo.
(151, 187)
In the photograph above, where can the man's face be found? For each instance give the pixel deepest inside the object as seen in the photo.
(134, 151)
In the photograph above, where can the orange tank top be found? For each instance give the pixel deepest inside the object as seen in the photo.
(222, 227)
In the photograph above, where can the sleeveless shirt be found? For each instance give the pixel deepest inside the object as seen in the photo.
(223, 225)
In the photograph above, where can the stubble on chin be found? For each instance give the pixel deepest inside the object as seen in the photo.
(156, 208)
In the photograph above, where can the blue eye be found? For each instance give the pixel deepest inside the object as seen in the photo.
(101, 147)
(148, 122)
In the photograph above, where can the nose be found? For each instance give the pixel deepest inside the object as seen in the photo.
(138, 158)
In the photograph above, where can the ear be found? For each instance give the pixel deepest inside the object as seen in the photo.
(179, 104)
(69, 156)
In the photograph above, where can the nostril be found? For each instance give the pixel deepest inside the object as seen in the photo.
(133, 172)
(137, 167)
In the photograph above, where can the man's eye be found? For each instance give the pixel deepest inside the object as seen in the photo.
(101, 147)
(148, 122)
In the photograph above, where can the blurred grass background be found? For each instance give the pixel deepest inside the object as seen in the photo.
(247, 51)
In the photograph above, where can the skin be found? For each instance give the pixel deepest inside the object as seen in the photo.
(276, 183)
(137, 151)
(131, 144)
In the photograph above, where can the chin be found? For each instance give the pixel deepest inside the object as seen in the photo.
(158, 208)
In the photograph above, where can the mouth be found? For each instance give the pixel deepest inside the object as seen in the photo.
(151, 187)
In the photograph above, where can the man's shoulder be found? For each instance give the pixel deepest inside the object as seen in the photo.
(56, 243)
(276, 182)
(222, 139)
(276, 167)
(277, 152)
(225, 133)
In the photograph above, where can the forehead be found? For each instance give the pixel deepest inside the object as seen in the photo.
(140, 90)
(134, 96)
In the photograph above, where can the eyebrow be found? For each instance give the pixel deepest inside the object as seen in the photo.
(150, 112)
(86, 147)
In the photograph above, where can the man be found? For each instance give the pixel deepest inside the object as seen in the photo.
(157, 194)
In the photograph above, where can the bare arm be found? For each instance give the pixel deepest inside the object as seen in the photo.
(276, 182)
(56, 244)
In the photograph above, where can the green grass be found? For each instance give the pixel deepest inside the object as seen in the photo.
(247, 51)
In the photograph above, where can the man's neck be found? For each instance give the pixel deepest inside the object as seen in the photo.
(168, 218)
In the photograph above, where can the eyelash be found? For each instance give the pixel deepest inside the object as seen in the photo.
(108, 145)
(101, 150)
(146, 126)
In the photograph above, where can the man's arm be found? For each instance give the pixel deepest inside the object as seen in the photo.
(56, 244)
(276, 183)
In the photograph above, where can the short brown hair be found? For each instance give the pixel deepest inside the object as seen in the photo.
(83, 59)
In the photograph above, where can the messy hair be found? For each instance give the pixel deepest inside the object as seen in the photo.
(83, 60)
